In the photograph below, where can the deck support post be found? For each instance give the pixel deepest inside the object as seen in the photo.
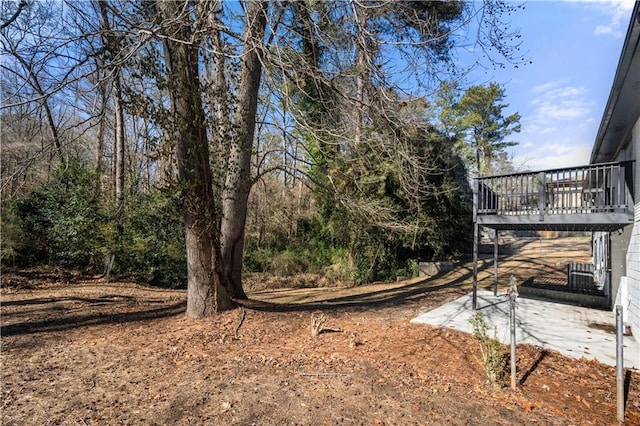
(475, 266)
(476, 186)
(495, 262)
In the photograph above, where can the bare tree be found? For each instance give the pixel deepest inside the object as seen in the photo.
(238, 181)
(206, 292)
(206, 289)
(31, 25)
(112, 49)
(14, 16)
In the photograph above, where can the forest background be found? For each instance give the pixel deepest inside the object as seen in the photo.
(183, 143)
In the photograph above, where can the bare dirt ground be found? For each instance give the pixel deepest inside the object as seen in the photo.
(80, 351)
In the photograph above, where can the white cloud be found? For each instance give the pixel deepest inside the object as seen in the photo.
(551, 90)
(555, 102)
(616, 15)
(545, 130)
(607, 30)
(545, 87)
(557, 132)
(563, 110)
(553, 156)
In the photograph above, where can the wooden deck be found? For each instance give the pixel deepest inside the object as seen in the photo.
(597, 197)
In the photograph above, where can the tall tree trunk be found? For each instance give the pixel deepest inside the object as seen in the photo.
(238, 181)
(206, 291)
(119, 149)
(112, 45)
(100, 136)
(362, 71)
(218, 98)
(357, 137)
(147, 155)
(221, 89)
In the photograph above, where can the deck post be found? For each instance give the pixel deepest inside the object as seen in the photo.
(617, 188)
(628, 184)
(495, 262)
(476, 184)
(475, 266)
(542, 201)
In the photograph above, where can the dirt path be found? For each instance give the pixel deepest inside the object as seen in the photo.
(91, 353)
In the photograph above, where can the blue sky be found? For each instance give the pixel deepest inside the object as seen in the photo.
(575, 47)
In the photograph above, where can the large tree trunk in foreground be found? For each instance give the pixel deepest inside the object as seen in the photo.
(206, 291)
(238, 181)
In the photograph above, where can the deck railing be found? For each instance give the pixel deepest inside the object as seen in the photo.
(597, 188)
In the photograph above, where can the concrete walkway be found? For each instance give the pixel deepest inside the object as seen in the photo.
(571, 330)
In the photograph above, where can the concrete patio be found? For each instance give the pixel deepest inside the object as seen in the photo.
(571, 330)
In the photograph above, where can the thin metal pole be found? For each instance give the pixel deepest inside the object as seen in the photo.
(495, 263)
(513, 342)
(619, 365)
(475, 266)
(513, 294)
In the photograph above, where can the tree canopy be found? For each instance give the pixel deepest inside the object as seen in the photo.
(477, 121)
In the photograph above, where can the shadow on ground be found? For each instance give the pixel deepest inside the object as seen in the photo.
(56, 314)
(300, 300)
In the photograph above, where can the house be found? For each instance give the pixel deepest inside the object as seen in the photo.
(602, 198)
(618, 140)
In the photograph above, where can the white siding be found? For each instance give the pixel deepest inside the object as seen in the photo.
(633, 276)
(633, 253)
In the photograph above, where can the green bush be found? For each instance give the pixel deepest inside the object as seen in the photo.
(289, 262)
(60, 223)
(152, 248)
(258, 260)
(64, 223)
(342, 267)
(409, 269)
(12, 241)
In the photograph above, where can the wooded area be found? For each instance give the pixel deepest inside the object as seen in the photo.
(181, 143)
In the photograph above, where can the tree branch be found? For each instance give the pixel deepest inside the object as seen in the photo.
(17, 13)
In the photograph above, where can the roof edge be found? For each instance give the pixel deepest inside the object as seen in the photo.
(626, 56)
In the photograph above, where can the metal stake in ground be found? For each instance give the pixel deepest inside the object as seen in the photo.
(619, 364)
(513, 295)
